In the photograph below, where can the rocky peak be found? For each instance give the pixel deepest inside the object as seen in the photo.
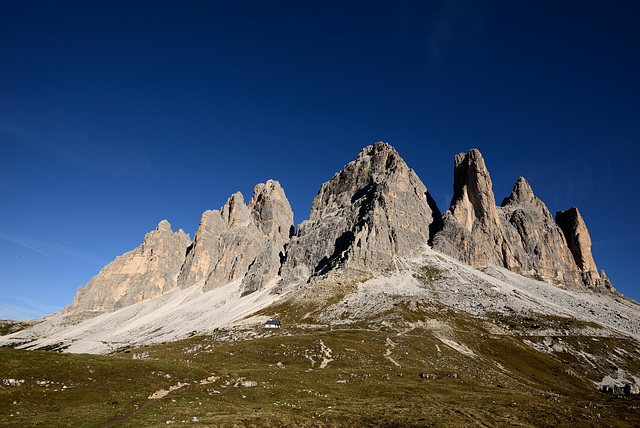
(271, 211)
(473, 199)
(240, 241)
(522, 198)
(273, 217)
(162, 233)
(578, 238)
(471, 229)
(579, 242)
(144, 273)
(520, 235)
(375, 166)
(539, 248)
(164, 225)
(235, 211)
(373, 210)
(521, 193)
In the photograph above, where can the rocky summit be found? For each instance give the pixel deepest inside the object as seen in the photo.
(367, 215)
(579, 241)
(240, 241)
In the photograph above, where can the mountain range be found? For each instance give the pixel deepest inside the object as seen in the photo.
(369, 214)
(375, 240)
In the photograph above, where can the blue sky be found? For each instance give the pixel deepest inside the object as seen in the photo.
(115, 115)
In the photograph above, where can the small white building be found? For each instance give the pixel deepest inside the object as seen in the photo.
(272, 324)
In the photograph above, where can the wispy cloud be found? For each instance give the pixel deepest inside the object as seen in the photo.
(32, 303)
(23, 134)
(45, 248)
(26, 243)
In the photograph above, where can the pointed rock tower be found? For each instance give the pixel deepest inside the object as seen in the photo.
(373, 210)
(579, 241)
(471, 229)
(539, 247)
(144, 273)
(240, 241)
(520, 235)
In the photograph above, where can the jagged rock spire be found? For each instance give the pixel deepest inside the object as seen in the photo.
(471, 230)
(473, 201)
(520, 235)
(373, 210)
(579, 242)
(521, 193)
(240, 241)
(539, 248)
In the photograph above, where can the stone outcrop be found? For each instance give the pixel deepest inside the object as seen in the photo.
(579, 242)
(240, 241)
(471, 229)
(273, 216)
(372, 211)
(520, 235)
(539, 247)
(146, 272)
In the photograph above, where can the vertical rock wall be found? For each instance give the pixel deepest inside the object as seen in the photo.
(579, 242)
(520, 235)
(144, 273)
(539, 248)
(240, 241)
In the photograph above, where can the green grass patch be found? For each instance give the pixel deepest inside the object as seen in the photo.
(409, 372)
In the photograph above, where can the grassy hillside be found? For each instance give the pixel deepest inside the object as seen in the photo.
(410, 367)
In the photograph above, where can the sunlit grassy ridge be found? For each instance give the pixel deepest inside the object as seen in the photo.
(474, 372)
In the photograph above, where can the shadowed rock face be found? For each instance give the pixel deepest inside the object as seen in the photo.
(146, 272)
(579, 242)
(373, 210)
(240, 241)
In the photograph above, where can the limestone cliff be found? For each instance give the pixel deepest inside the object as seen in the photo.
(240, 241)
(579, 241)
(539, 247)
(471, 229)
(372, 211)
(520, 235)
(146, 272)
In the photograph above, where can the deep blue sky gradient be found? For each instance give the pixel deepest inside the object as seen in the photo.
(115, 115)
